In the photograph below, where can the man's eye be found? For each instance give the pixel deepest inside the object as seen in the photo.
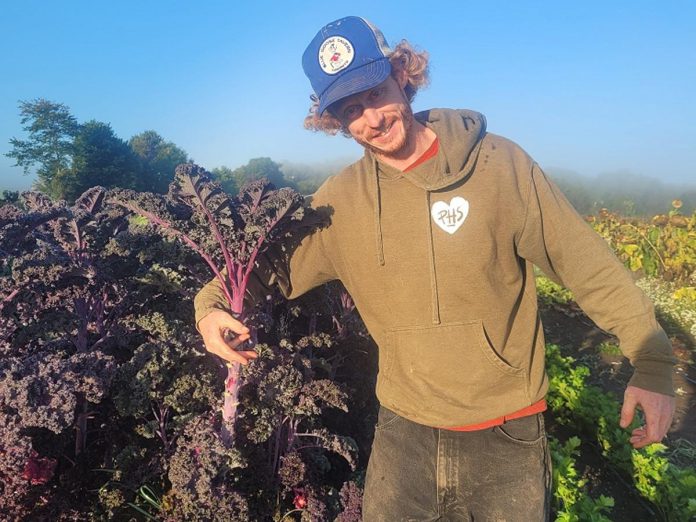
(351, 112)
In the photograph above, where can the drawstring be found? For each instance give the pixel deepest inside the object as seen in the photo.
(378, 218)
(433, 276)
(431, 251)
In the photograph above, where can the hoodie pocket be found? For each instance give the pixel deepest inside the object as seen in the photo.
(452, 370)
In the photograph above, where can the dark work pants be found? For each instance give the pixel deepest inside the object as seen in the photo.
(418, 473)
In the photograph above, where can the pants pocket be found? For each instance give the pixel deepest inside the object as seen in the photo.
(525, 431)
(386, 418)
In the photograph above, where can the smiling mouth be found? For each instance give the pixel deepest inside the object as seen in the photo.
(384, 132)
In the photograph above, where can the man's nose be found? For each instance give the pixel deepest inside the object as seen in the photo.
(372, 117)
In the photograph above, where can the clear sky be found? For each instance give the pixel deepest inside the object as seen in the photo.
(588, 86)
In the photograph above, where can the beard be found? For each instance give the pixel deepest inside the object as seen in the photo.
(399, 143)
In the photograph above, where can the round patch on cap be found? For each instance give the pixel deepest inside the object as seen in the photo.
(335, 54)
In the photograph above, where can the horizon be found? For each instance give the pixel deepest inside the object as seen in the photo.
(596, 89)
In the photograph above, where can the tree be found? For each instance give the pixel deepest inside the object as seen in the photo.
(230, 182)
(49, 146)
(309, 178)
(99, 158)
(9, 196)
(257, 168)
(159, 159)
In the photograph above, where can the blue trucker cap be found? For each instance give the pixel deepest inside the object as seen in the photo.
(347, 56)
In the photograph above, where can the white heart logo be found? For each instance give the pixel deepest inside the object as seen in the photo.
(450, 217)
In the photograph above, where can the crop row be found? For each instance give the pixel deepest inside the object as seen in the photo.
(575, 403)
(663, 247)
(103, 379)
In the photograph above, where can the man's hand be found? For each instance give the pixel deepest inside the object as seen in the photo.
(658, 410)
(213, 327)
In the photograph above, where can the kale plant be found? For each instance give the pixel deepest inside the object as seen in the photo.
(56, 291)
(228, 234)
(285, 396)
(96, 332)
(58, 318)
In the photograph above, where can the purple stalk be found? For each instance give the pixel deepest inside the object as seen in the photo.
(81, 427)
(239, 284)
(230, 403)
(276, 448)
(233, 284)
(234, 294)
(9, 298)
(162, 417)
(187, 240)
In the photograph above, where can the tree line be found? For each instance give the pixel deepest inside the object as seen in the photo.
(70, 157)
(627, 194)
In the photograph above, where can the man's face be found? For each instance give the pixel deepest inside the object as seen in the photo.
(379, 119)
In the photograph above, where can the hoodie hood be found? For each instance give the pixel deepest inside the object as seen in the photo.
(460, 133)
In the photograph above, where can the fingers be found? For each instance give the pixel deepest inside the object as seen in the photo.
(645, 435)
(628, 410)
(658, 410)
(227, 351)
(658, 421)
(218, 326)
(638, 437)
(218, 320)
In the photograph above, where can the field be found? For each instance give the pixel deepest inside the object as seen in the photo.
(110, 408)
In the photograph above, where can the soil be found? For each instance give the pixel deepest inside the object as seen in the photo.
(578, 336)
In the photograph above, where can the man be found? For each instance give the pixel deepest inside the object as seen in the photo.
(434, 233)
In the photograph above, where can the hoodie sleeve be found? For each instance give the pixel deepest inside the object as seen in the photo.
(558, 240)
(295, 268)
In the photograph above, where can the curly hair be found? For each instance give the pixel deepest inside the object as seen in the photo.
(403, 57)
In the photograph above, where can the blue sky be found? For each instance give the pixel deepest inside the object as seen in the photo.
(592, 87)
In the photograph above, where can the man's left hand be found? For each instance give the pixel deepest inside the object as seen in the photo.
(658, 410)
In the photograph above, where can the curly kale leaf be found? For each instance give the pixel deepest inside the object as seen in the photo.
(351, 496)
(200, 471)
(44, 389)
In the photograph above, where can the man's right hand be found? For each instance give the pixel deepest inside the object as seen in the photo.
(213, 327)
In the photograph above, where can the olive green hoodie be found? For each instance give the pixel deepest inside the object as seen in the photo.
(439, 261)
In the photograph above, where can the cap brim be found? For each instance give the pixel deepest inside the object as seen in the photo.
(355, 81)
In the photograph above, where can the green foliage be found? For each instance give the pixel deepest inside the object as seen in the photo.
(72, 157)
(158, 160)
(571, 500)
(49, 146)
(608, 348)
(550, 293)
(257, 168)
(664, 246)
(675, 305)
(99, 157)
(147, 500)
(686, 294)
(9, 196)
(671, 488)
